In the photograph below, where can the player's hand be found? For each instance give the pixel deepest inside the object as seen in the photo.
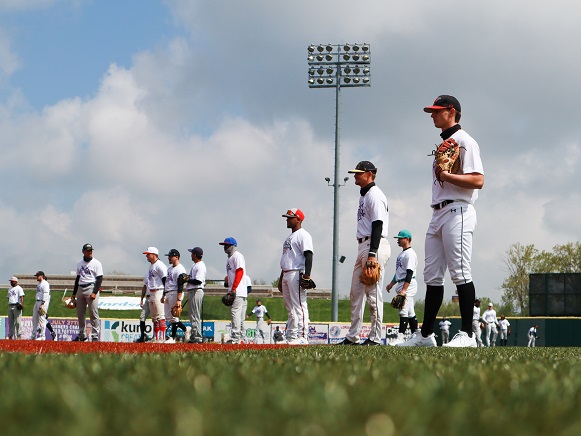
(93, 296)
(388, 287)
(141, 303)
(163, 299)
(246, 316)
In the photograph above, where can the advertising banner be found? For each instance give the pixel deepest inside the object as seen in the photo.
(119, 303)
(338, 332)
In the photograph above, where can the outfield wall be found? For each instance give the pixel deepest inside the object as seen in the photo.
(553, 332)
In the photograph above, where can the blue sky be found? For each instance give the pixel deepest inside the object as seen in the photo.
(178, 123)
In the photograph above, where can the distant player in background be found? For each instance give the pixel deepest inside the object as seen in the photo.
(195, 288)
(262, 334)
(504, 330)
(296, 260)
(476, 320)
(89, 279)
(445, 330)
(489, 317)
(373, 250)
(235, 272)
(144, 311)
(155, 283)
(15, 303)
(39, 313)
(533, 335)
(404, 281)
(173, 294)
(277, 336)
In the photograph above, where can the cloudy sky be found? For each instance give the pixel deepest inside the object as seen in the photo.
(178, 123)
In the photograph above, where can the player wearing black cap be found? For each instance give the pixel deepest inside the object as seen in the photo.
(173, 293)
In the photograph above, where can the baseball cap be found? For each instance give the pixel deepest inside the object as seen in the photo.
(173, 252)
(13, 279)
(444, 102)
(151, 250)
(363, 167)
(39, 273)
(229, 241)
(87, 247)
(197, 251)
(292, 213)
(403, 234)
(490, 304)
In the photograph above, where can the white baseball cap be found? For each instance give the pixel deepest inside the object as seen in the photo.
(151, 250)
(489, 304)
(13, 279)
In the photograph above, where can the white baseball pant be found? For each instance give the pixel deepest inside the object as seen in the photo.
(261, 335)
(477, 331)
(195, 299)
(491, 327)
(295, 301)
(155, 305)
(84, 301)
(39, 322)
(237, 316)
(170, 300)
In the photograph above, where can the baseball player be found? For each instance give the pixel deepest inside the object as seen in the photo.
(89, 279)
(237, 284)
(445, 329)
(489, 318)
(504, 326)
(156, 284)
(15, 302)
(261, 335)
(404, 281)
(448, 243)
(195, 289)
(173, 294)
(278, 336)
(296, 261)
(371, 234)
(476, 320)
(39, 313)
(533, 336)
(144, 303)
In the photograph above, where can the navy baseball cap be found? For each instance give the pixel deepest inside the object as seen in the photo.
(40, 273)
(229, 241)
(444, 102)
(363, 167)
(403, 234)
(173, 252)
(87, 247)
(197, 251)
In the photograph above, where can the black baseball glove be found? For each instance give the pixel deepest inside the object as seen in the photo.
(398, 302)
(306, 282)
(183, 279)
(19, 306)
(228, 299)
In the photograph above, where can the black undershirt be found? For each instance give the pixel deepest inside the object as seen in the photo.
(450, 131)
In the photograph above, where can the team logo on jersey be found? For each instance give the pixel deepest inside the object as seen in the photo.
(360, 211)
(85, 270)
(287, 245)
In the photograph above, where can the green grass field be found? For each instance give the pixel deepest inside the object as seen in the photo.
(315, 390)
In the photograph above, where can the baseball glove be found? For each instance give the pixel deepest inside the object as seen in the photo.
(183, 278)
(398, 301)
(446, 158)
(176, 311)
(228, 299)
(71, 303)
(268, 321)
(41, 311)
(370, 274)
(19, 306)
(306, 282)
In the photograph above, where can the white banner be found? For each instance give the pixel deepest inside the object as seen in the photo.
(119, 303)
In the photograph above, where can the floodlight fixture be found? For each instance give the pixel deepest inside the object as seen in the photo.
(311, 48)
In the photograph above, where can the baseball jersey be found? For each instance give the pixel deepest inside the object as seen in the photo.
(233, 263)
(157, 271)
(197, 272)
(476, 313)
(43, 291)
(445, 325)
(372, 207)
(14, 294)
(407, 259)
(489, 316)
(89, 271)
(470, 162)
(504, 324)
(532, 332)
(293, 250)
(173, 272)
(147, 293)
(259, 311)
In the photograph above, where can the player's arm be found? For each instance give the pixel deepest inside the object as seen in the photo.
(143, 290)
(76, 287)
(376, 230)
(391, 284)
(406, 282)
(97, 288)
(279, 286)
(466, 181)
(237, 279)
(308, 264)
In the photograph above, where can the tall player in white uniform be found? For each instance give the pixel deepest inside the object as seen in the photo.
(262, 331)
(476, 319)
(296, 259)
(449, 235)
(144, 303)
(372, 223)
(42, 300)
(89, 279)
(156, 284)
(173, 294)
(237, 284)
(405, 283)
(195, 288)
(489, 317)
(15, 302)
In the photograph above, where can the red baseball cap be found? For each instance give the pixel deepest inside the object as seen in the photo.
(295, 213)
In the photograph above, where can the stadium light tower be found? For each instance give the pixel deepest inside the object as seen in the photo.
(338, 66)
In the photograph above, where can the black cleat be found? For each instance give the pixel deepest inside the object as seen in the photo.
(368, 342)
(347, 342)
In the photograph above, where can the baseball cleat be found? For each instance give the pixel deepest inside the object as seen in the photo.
(347, 342)
(461, 340)
(170, 341)
(139, 339)
(368, 343)
(79, 339)
(53, 334)
(417, 340)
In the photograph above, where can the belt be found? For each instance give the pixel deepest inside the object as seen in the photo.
(403, 280)
(360, 240)
(86, 285)
(13, 304)
(439, 206)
